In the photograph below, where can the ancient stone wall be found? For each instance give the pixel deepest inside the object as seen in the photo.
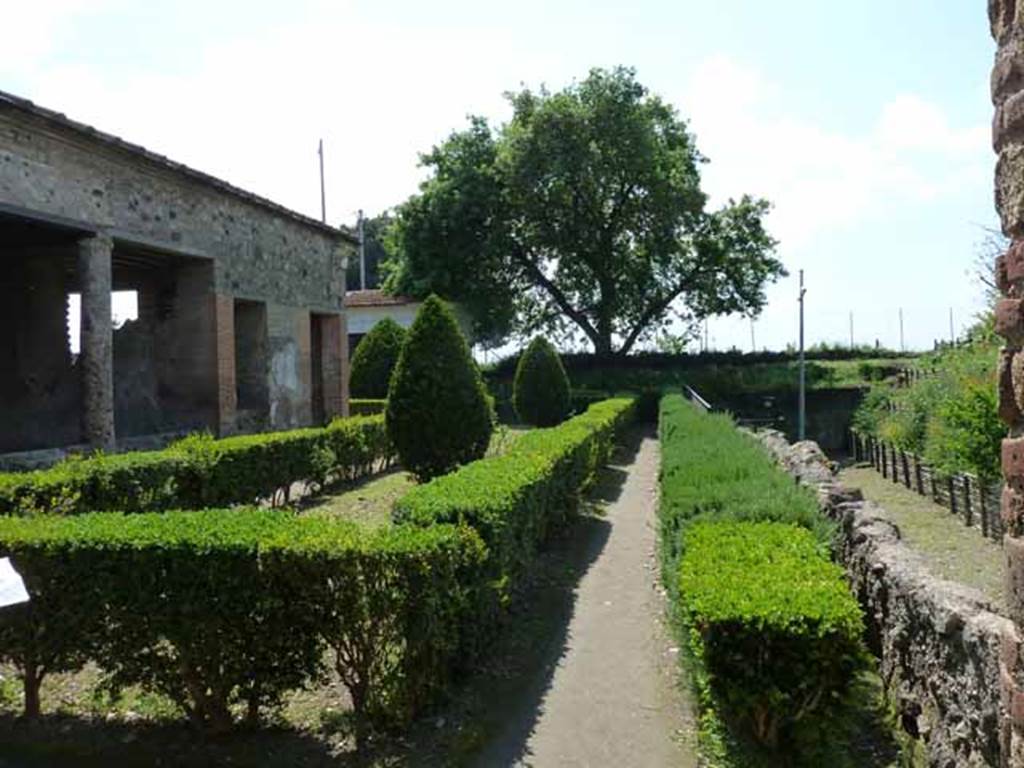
(940, 645)
(259, 253)
(1007, 22)
(192, 247)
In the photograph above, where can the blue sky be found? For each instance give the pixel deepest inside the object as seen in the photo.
(865, 123)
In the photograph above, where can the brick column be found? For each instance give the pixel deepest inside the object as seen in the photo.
(333, 354)
(97, 341)
(224, 345)
(1007, 22)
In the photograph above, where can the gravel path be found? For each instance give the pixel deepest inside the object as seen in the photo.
(612, 697)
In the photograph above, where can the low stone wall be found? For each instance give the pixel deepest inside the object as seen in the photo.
(938, 642)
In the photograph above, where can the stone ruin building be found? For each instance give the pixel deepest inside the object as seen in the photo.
(240, 325)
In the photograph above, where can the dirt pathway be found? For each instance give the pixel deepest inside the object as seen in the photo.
(612, 698)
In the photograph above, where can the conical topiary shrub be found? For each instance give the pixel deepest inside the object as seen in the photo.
(540, 391)
(438, 414)
(374, 359)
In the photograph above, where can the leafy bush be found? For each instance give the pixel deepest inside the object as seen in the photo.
(773, 621)
(514, 499)
(540, 391)
(439, 414)
(375, 358)
(200, 471)
(221, 607)
(949, 416)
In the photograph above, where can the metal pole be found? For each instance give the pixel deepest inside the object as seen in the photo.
(706, 348)
(323, 196)
(851, 329)
(902, 347)
(362, 253)
(753, 343)
(802, 415)
(952, 336)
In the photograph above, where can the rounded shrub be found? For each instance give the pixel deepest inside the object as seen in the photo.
(438, 414)
(540, 391)
(375, 358)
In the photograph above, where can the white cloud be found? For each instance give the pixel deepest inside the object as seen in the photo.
(820, 179)
(33, 30)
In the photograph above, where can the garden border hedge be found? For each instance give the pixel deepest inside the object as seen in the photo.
(741, 547)
(221, 607)
(199, 471)
(513, 500)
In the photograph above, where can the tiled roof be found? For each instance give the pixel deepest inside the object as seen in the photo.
(8, 99)
(375, 298)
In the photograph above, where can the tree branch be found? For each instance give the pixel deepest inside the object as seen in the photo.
(544, 282)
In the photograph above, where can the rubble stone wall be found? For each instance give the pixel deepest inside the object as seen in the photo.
(940, 645)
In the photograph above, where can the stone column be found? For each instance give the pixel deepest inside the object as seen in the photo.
(97, 341)
(1007, 22)
(224, 349)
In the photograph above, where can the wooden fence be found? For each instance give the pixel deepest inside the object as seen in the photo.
(963, 494)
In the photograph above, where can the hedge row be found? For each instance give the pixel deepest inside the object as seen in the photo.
(366, 406)
(222, 610)
(709, 470)
(226, 610)
(773, 630)
(773, 620)
(200, 471)
(513, 500)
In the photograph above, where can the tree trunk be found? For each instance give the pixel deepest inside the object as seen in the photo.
(603, 346)
(31, 685)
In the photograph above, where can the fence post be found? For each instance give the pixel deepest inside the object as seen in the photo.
(885, 462)
(906, 468)
(952, 495)
(935, 486)
(895, 466)
(968, 516)
(984, 507)
(917, 475)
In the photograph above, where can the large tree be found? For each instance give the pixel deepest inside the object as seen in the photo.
(583, 213)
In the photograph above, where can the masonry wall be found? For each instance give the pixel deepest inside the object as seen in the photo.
(175, 366)
(940, 645)
(1007, 23)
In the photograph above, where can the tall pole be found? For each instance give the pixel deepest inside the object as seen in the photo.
(323, 195)
(802, 412)
(706, 347)
(902, 347)
(952, 336)
(851, 329)
(753, 342)
(362, 253)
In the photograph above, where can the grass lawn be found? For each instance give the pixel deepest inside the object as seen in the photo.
(370, 502)
(953, 551)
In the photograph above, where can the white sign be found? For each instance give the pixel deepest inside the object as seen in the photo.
(12, 588)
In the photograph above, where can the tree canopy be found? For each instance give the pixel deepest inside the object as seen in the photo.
(583, 214)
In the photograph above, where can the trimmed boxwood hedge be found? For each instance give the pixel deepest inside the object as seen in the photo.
(710, 470)
(540, 390)
(200, 471)
(773, 630)
(513, 500)
(219, 607)
(367, 406)
(773, 620)
(375, 358)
